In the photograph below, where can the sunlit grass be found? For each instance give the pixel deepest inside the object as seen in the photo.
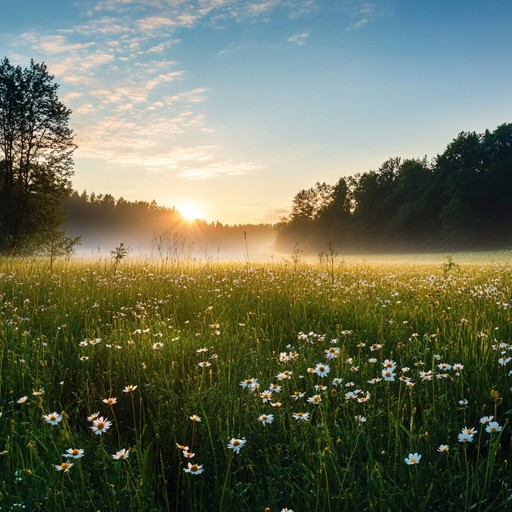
(336, 377)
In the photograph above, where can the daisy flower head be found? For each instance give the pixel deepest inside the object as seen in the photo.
(129, 389)
(301, 416)
(121, 454)
(64, 466)
(266, 419)
(414, 458)
(93, 416)
(388, 375)
(195, 418)
(315, 399)
(266, 395)
(236, 444)
(322, 369)
(493, 426)
(100, 425)
(110, 400)
(22, 400)
(53, 418)
(485, 420)
(465, 437)
(443, 448)
(74, 453)
(194, 469)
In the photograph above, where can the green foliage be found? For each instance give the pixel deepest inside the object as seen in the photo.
(161, 351)
(36, 164)
(460, 200)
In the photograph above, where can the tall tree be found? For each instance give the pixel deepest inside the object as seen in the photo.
(37, 146)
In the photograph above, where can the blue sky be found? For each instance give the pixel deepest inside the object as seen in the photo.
(238, 105)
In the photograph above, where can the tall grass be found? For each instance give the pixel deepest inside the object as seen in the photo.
(194, 355)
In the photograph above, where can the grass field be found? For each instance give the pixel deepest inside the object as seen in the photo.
(346, 385)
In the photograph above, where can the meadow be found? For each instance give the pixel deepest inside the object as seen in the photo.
(340, 385)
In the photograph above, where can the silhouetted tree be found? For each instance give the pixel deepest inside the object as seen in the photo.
(37, 147)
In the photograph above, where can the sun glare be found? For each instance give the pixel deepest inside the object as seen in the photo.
(189, 211)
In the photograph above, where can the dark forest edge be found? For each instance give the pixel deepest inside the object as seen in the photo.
(459, 200)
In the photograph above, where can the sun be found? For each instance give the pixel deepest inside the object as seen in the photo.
(189, 211)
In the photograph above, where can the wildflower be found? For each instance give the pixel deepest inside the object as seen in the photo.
(129, 389)
(315, 399)
(275, 388)
(463, 402)
(360, 419)
(337, 381)
(195, 418)
(188, 455)
(493, 426)
(375, 346)
(266, 419)
(298, 394)
(249, 383)
(464, 437)
(287, 374)
(458, 367)
(64, 466)
(303, 416)
(414, 458)
(389, 363)
(22, 400)
(194, 469)
(93, 416)
(74, 453)
(181, 447)
(275, 404)
(320, 387)
(363, 399)
(443, 448)
(469, 430)
(53, 418)
(110, 401)
(388, 375)
(484, 420)
(322, 369)
(101, 425)
(38, 393)
(266, 396)
(204, 364)
(332, 353)
(236, 444)
(121, 454)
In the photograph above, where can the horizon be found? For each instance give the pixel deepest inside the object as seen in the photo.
(235, 106)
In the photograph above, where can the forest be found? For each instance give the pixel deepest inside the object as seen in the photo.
(459, 200)
(146, 229)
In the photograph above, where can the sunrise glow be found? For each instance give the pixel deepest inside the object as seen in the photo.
(190, 211)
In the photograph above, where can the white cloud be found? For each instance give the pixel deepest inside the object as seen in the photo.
(357, 25)
(299, 39)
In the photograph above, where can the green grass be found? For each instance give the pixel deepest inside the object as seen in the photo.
(187, 335)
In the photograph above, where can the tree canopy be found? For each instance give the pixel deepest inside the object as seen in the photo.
(458, 200)
(36, 163)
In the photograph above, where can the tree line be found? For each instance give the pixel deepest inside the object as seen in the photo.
(458, 200)
(145, 228)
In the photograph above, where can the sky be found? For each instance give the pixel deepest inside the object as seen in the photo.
(237, 105)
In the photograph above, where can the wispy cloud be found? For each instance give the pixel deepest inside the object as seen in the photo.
(299, 39)
(357, 25)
